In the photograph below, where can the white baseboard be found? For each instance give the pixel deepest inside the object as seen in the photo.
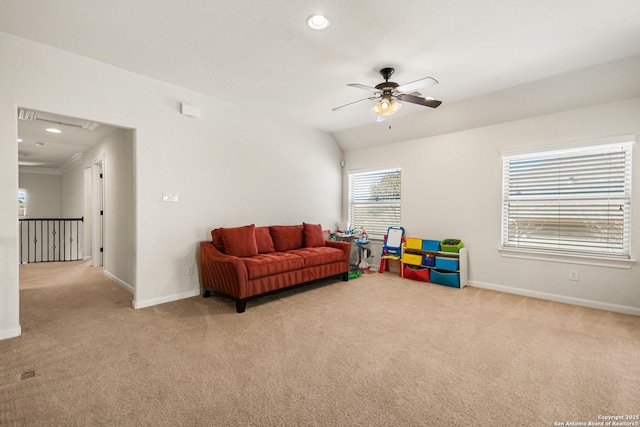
(154, 301)
(168, 298)
(119, 281)
(559, 298)
(86, 257)
(10, 333)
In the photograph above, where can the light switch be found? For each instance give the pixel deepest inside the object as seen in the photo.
(168, 196)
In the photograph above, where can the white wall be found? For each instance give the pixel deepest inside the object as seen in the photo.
(116, 150)
(452, 187)
(73, 192)
(44, 194)
(119, 254)
(230, 167)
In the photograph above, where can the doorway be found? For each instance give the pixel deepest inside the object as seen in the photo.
(97, 210)
(85, 170)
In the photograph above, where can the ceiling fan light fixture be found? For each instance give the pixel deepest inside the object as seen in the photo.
(318, 22)
(386, 107)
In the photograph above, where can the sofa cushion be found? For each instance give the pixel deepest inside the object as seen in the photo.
(240, 241)
(319, 256)
(264, 240)
(287, 237)
(274, 263)
(313, 236)
(216, 237)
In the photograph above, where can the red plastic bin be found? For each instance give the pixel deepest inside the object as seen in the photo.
(416, 273)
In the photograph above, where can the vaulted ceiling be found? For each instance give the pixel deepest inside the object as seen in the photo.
(262, 55)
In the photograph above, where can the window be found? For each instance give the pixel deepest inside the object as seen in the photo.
(374, 201)
(571, 202)
(22, 202)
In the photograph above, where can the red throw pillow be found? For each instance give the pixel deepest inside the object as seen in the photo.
(287, 237)
(240, 241)
(264, 240)
(313, 236)
(216, 237)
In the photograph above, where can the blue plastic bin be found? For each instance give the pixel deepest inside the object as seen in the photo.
(446, 278)
(447, 263)
(431, 245)
(428, 261)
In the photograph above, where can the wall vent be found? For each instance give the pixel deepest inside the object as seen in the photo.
(24, 114)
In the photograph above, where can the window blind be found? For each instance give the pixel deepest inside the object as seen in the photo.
(374, 201)
(569, 201)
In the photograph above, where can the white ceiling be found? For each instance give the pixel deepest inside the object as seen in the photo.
(41, 149)
(262, 55)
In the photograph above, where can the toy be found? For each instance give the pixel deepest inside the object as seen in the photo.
(392, 246)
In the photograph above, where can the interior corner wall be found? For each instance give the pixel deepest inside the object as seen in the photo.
(9, 252)
(44, 194)
(73, 192)
(452, 188)
(232, 166)
(117, 150)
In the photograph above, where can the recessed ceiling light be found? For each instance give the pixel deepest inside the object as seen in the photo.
(53, 130)
(19, 139)
(39, 144)
(318, 22)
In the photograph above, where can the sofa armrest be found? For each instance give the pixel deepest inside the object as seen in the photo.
(344, 247)
(221, 272)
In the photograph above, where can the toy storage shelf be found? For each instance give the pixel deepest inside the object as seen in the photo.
(421, 261)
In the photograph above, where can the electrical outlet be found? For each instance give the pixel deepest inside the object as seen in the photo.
(573, 275)
(189, 270)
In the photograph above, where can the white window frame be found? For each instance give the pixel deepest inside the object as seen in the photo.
(615, 199)
(25, 203)
(375, 226)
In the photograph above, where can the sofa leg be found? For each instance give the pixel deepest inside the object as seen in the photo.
(241, 306)
(206, 293)
(345, 277)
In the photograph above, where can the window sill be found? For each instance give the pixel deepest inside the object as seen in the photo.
(570, 259)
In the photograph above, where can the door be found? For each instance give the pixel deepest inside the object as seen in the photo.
(98, 212)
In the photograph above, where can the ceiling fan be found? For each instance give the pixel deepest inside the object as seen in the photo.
(389, 93)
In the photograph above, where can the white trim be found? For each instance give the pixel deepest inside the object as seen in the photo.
(97, 204)
(567, 258)
(635, 311)
(166, 299)
(119, 281)
(38, 170)
(630, 138)
(379, 168)
(10, 333)
(71, 163)
(86, 257)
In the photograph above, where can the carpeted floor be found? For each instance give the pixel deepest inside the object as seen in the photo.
(375, 351)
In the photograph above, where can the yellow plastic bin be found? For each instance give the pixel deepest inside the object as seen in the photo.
(412, 259)
(414, 243)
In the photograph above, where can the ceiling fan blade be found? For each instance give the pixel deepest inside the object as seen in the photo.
(410, 87)
(433, 103)
(354, 102)
(364, 87)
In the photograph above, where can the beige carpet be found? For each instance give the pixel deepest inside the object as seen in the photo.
(376, 351)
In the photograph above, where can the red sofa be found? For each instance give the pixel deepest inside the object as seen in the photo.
(243, 263)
